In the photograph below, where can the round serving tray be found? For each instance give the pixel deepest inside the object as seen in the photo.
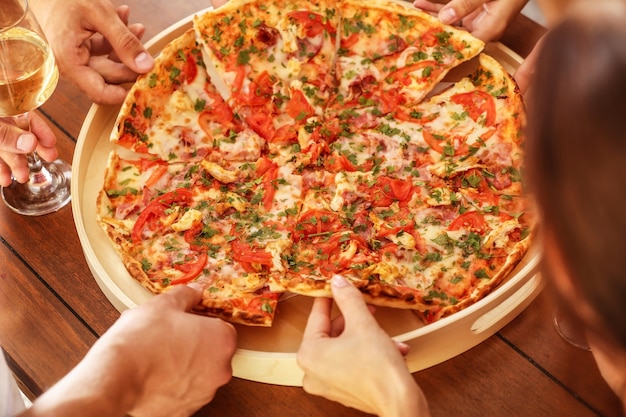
(269, 354)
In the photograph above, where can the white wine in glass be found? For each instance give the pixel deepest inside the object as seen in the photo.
(28, 77)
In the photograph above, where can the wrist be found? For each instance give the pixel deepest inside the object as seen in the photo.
(103, 384)
(406, 400)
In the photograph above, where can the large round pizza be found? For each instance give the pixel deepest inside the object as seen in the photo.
(280, 142)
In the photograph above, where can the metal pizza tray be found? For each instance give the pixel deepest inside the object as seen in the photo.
(269, 354)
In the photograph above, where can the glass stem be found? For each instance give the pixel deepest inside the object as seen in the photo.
(40, 180)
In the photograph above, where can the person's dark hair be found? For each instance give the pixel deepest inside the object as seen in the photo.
(576, 155)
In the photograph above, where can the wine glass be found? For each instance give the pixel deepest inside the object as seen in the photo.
(570, 328)
(28, 77)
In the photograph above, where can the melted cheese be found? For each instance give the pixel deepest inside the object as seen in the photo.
(187, 220)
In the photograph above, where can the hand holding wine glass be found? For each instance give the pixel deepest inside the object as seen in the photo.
(28, 76)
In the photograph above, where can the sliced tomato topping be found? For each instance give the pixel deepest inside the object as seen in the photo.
(244, 252)
(477, 103)
(313, 23)
(285, 135)
(150, 212)
(349, 42)
(231, 65)
(316, 223)
(261, 305)
(264, 164)
(191, 268)
(327, 132)
(405, 75)
(179, 195)
(484, 198)
(338, 163)
(261, 123)
(197, 240)
(158, 172)
(471, 220)
(391, 99)
(269, 188)
(263, 302)
(267, 169)
(156, 209)
(435, 142)
(388, 249)
(387, 190)
(190, 69)
(218, 112)
(259, 91)
(395, 188)
(298, 106)
(430, 38)
(402, 226)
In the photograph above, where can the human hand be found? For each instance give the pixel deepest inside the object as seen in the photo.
(156, 360)
(16, 141)
(485, 19)
(524, 73)
(181, 359)
(353, 361)
(95, 47)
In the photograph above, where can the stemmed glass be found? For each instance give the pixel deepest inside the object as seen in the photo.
(28, 77)
(570, 328)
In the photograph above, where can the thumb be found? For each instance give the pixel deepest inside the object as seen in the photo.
(350, 302)
(181, 297)
(16, 140)
(126, 45)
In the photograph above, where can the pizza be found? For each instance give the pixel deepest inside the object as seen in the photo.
(278, 143)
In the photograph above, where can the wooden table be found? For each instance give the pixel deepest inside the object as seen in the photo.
(52, 310)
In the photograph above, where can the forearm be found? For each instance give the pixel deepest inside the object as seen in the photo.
(101, 385)
(404, 399)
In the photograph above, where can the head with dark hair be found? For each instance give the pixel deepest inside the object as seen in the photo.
(577, 160)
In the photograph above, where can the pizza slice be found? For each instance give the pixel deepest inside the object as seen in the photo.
(473, 129)
(173, 224)
(271, 61)
(175, 113)
(393, 54)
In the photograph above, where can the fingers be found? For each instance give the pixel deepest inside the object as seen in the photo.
(403, 348)
(181, 297)
(123, 41)
(350, 301)
(218, 3)
(94, 85)
(16, 140)
(318, 323)
(112, 72)
(455, 10)
(13, 166)
(45, 136)
(427, 6)
(100, 46)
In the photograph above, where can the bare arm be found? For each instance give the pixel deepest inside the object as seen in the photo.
(156, 360)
